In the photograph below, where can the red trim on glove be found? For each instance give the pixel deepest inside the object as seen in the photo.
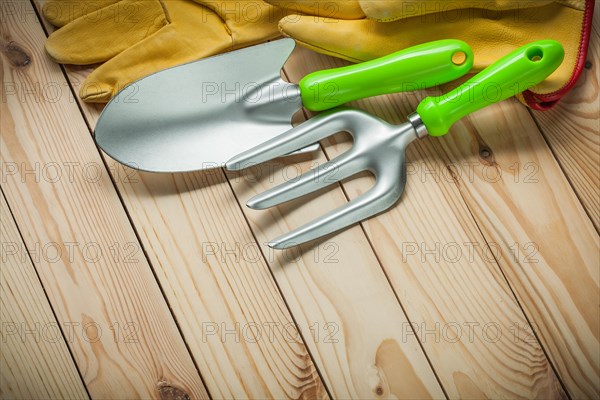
(543, 102)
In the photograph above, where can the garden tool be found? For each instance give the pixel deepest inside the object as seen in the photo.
(492, 28)
(380, 147)
(199, 115)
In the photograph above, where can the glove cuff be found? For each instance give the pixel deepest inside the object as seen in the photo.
(546, 101)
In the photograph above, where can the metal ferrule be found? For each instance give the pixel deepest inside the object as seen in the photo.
(417, 123)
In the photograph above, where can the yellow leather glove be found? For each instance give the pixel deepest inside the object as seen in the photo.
(492, 28)
(134, 38)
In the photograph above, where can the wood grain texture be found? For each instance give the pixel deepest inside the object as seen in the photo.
(465, 293)
(231, 313)
(468, 321)
(572, 130)
(361, 345)
(123, 338)
(219, 287)
(547, 246)
(30, 332)
(360, 337)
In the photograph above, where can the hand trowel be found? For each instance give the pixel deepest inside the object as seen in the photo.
(199, 115)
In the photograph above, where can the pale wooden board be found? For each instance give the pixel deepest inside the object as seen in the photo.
(34, 359)
(572, 130)
(531, 209)
(218, 286)
(361, 345)
(123, 338)
(380, 357)
(362, 342)
(540, 386)
(451, 289)
(547, 245)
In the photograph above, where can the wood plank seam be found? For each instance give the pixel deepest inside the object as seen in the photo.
(366, 102)
(139, 238)
(572, 131)
(137, 235)
(325, 384)
(368, 239)
(517, 300)
(171, 346)
(564, 170)
(4, 200)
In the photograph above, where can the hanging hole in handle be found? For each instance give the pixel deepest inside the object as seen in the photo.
(459, 58)
(535, 54)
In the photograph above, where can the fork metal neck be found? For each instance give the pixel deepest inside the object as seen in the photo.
(417, 123)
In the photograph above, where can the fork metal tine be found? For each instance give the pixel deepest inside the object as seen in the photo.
(378, 147)
(305, 134)
(330, 172)
(373, 202)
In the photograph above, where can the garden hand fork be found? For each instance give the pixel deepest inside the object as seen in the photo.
(380, 147)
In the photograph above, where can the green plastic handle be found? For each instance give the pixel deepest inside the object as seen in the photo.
(511, 75)
(417, 67)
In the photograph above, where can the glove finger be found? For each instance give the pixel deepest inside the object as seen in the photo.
(342, 9)
(61, 12)
(390, 10)
(175, 44)
(118, 27)
(490, 39)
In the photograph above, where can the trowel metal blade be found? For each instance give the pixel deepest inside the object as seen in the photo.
(199, 115)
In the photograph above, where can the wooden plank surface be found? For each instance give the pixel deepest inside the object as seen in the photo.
(347, 335)
(231, 313)
(362, 341)
(363, 337)
(436, 260)
(378, 359)
(572, 130)
(220, 289)
(30, 332)
(534, 242)
(545, 243)
(124, 340)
